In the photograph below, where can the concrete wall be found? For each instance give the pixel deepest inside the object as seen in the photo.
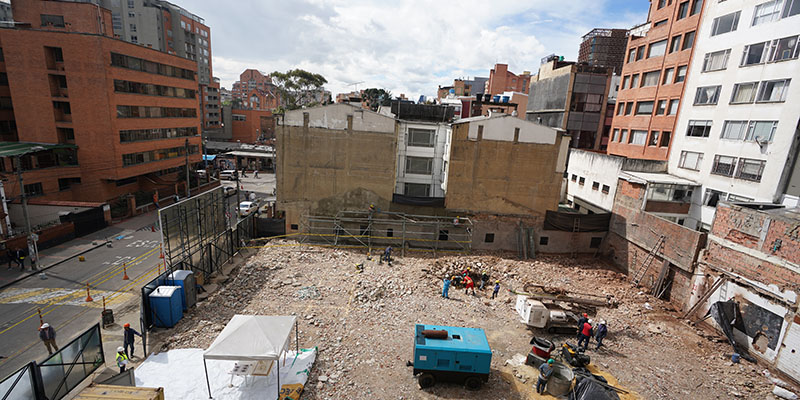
(494, 173)
(327, 167)
(39, 214)
(560, 242)
(548, 97)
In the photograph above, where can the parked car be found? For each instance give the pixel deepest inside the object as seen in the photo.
(227, 174)
(201, 173)
(247, 207)
(229, 190)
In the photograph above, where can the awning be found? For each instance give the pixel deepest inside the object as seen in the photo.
(207, 157)
(255, 154)
(252, 337)
(11, 149)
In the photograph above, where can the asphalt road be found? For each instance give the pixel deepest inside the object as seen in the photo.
(61, 297)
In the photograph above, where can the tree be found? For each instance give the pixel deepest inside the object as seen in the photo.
(377, 97)
(298, 88)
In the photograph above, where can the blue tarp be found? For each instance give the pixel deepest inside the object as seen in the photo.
(209, 157)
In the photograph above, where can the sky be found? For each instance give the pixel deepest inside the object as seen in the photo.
(406, 46)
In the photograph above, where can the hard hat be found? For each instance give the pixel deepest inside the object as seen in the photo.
(603, 322)
(45, 325)
(120, 349)
(585, 315)
(550, 361)
(126, 326)
(496, 281)
(453, 277)
(590, 320)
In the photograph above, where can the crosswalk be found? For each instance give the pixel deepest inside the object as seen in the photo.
(61, 296)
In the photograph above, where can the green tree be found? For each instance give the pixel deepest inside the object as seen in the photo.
(375, 97)
(298, 88)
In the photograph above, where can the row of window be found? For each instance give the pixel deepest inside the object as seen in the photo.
(138, 64)
(640, 137)
(764, 13)
(155, 112)
(760, 131)
(772, 91)
(136, 135)
(152, 90)
(417, 189)
(595, 184)
(156, 155)
(646, 107)
(419, 165)
(741, 168)
(677, 43)
(651, 78)
(787, 48)
(239, 117)
(684, 9)
(421, 137)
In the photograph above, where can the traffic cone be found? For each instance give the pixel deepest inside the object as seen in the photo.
(152, 228)
(162, 252)
(125, 272)
(88, 296)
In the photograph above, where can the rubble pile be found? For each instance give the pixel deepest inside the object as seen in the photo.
(362, 321)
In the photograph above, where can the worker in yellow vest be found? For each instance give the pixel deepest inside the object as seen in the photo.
(122, 359)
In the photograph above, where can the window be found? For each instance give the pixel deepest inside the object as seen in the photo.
(419, 165)
(690, 160)
(629, 108)
(638, 136)
(53, 20)
(138, 64)
(155, 112)
(723, 165)
(750, 170)
(707, 95)
(640, 53)
(734, 130)
(737, 198)
(55, 53)
(1, 55)
(698, 128)
(761, 131)
(683, 10)
(650, 78)
(543, 240)
(744, 93)
(675, 44)
(624, 138)
(726, 23)
(130, 4)
(773, 91)
(131, 14)
(34, 189)
(784, 49)
(606, 189)
(238, 117)
(631, 55)
(681, 75)
(661, 4)
(121, 86)
(697, 6)
(620, 108)
(660, 23)
(635, 80)
(574, 178)
(3, 79)
(625, 81)
(581, 181)
(754, 54)
(134, 39)
(716, 61)
(673, 107)
(595, 242)
(669, 73)
(488, 238)
(665, 136)
(595, 185)
(767, 12)
(417, 190)
(688, 40)
(421, 137)
(136, 135)
(66, 183)
(6, 103)
(657, 49)
(133, 27)
(792, 7)
(661, 107)
(712, 197)
(156, 155)
(614, 137)
(644, 108)
(653, 141)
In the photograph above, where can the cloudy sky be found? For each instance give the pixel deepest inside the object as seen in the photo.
(407, 46)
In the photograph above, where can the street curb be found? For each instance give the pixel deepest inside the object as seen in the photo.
(5, 285)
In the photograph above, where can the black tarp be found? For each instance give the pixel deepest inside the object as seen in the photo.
(418, 201)
(588, 389)
(727, 316)
(558, 221)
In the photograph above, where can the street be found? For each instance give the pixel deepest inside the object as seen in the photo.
(262, 187)
(62, 296)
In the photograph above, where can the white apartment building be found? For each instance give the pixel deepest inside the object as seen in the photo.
(737, 131)
(422, 148)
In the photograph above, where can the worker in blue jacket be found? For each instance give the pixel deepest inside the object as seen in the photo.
(545, 372)
(600, 334)
(128, 339)
(446, 287)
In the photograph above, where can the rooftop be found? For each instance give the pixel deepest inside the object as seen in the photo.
(651, 177)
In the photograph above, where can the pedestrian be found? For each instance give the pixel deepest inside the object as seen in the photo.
(582, 320)
(12, 257)
(386, 256)
(48, 336)
(585, 335)
(446, 287)
(602, 331)
(20, 254)
(496, 289)
(469, 284)
(545, 372)
(128, 338)
(255, 174)
(484, 278)
(122, 359)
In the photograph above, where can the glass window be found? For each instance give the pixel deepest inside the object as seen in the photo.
(661, 107)
(595, 185)
(707, 95)
(750, 169)
(606, 189)
(644, 108)
(773, 91)
(690, 160)
(624, 138)
(653, 141)
(716, 61)
(669, 73)
(723, 165)
(53, 20)
(665, 136)
(417, 189)
(638, 136)
(688, 40)
(681, 76)
(736, 198)
(697, 6)
(673, 107)
(421, 137)
(581, 181)
(625, 81)
(657, 49)
(629, 108)
(712, 197)
(620, 108)
(754, 54)
(761, 131)
(640, 53)
(744, 93)
(683, 10)
(792, 7)
(767, 12)
(631, 55)
(726, 23)
(419, 165)
(635, 80)
(675, 44)
(661, 4)
(698, 128)
(615, 135)
(660, 23)
(784, 49)
(734, 130)
(650, 78)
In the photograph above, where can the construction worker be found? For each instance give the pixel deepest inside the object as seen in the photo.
(446, 287)
(582, 320)
(122, 359)
(48, 335)
(496, 289)
(484, 278)
(600, 334)
(129, 335)
(545, 372)
(469, 284)
(585, 335)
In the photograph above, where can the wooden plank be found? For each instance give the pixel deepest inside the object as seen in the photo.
(120, 393)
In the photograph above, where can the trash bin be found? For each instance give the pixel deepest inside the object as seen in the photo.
(108, 317)
(185, 279)
(166, 306)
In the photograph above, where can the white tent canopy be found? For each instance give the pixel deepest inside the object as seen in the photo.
(252, 338)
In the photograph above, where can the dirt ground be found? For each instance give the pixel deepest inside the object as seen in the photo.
(363, 324)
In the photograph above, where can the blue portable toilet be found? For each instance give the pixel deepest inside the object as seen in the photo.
(184, 279)
(166, 306)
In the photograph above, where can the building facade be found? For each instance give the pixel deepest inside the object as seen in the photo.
(737, 131)
(502, 80)
(656, 65)
(604, 48)
(255, 90)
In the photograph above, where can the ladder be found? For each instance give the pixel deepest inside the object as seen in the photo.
(576, 227)
(648, 260)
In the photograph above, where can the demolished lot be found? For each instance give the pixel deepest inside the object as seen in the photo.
(362, 322)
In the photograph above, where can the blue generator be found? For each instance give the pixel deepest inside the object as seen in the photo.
(451, 353)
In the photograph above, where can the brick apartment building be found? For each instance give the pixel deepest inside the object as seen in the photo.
(653, 76)
(254, 90)
(502, 80)
(604, 48)
(122, 114)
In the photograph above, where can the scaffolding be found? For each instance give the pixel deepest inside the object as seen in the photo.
(375, 229)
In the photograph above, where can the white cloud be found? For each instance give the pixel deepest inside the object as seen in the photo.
(407, 47)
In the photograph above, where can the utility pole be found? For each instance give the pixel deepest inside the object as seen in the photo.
(31, 246)
(186, 151)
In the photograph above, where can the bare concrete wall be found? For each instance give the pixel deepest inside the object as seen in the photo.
(560, 242)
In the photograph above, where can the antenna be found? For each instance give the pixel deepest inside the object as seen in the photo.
(355, 85)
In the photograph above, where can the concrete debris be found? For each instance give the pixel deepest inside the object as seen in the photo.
(308, 293)
(783, 393)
